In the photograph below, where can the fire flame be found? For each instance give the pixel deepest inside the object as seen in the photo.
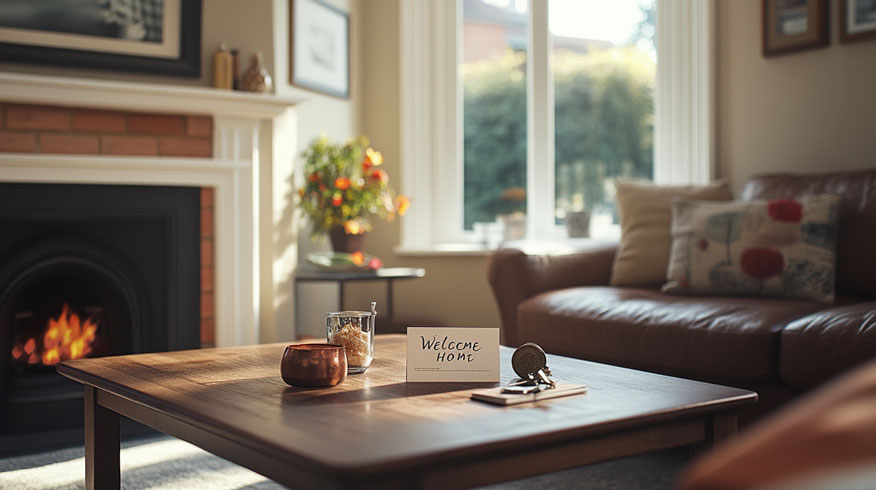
(67, 337)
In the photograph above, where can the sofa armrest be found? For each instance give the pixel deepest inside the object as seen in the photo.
(515, 276)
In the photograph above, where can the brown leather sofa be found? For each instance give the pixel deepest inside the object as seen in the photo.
(777, 347)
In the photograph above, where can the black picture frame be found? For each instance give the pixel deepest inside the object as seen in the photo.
(187, 64)
(794, 25)
(335, 80)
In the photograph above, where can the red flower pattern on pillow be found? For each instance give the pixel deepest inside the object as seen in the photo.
(761, 263)
(787, 210)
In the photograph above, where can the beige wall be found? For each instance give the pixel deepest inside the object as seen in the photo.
(339, 120)
(809, 111)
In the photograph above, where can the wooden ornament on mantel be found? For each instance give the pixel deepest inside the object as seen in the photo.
(256, 78)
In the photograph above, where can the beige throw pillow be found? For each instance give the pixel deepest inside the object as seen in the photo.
(645, 211)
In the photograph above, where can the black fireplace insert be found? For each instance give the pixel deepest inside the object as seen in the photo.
(88, 271)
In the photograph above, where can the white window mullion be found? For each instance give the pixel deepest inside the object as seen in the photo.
(455, 122)
(540, 188)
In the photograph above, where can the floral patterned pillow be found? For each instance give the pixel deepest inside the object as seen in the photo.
(783, 247)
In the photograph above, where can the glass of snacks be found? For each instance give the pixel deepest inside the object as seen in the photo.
(355, 331)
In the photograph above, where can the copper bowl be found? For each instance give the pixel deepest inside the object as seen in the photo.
(314, 365)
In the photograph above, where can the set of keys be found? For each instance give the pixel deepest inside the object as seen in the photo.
(530, 363)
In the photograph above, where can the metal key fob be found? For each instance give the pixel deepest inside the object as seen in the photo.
(530, 363)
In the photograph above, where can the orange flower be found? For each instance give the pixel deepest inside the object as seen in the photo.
(352, 227)
(301, 193)
(402, 203)
(380, 175)
(366, 165)
(516, 194)
(342, 183)
(336, 199)
(358, 258)
(321, 187)
(314, 177)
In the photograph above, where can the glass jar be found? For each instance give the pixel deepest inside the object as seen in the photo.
(355, 331)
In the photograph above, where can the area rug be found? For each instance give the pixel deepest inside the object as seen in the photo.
(162, 462)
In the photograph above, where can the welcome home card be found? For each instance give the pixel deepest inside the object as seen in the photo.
(453, 354)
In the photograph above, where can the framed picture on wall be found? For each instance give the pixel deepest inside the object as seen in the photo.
(319, 48)
(857, 20)
(794, 25)
(152, 36)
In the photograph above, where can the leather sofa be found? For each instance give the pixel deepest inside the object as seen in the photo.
(777, 347)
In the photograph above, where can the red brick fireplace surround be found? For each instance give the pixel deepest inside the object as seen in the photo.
(45, 129)
(76, 131)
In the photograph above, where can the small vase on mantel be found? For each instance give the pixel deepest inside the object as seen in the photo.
(256, 78)
(345, 242)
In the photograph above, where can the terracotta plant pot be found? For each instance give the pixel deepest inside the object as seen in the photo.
(343, 242)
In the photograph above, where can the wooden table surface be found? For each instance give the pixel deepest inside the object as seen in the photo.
(376, 430)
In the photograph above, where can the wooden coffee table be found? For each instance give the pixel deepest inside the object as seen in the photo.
(375, 430)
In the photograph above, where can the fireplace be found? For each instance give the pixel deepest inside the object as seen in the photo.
(88, 271)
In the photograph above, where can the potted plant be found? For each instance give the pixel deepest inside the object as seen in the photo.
(345, 188)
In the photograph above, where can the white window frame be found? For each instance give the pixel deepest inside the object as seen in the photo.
(431, 113)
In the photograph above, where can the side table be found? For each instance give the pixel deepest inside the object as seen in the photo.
(387, 274)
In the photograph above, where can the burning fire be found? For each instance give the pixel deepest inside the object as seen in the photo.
(66, 337)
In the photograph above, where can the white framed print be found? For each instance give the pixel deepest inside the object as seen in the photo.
(319, 47)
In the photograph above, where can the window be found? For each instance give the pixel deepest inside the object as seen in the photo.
(511, 106)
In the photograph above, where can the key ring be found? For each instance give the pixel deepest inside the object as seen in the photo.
(544, 377)
(529, 362)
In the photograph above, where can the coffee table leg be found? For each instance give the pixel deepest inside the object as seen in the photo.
(389, 310)
(720, 427)
(101, 444)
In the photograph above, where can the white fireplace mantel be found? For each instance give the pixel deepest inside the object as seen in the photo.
(233, 171)
(147, 97)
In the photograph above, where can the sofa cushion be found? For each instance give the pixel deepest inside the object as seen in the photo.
(855, 266)
(709, 338)
(826, 343)
(782, 248)
(644, 211)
